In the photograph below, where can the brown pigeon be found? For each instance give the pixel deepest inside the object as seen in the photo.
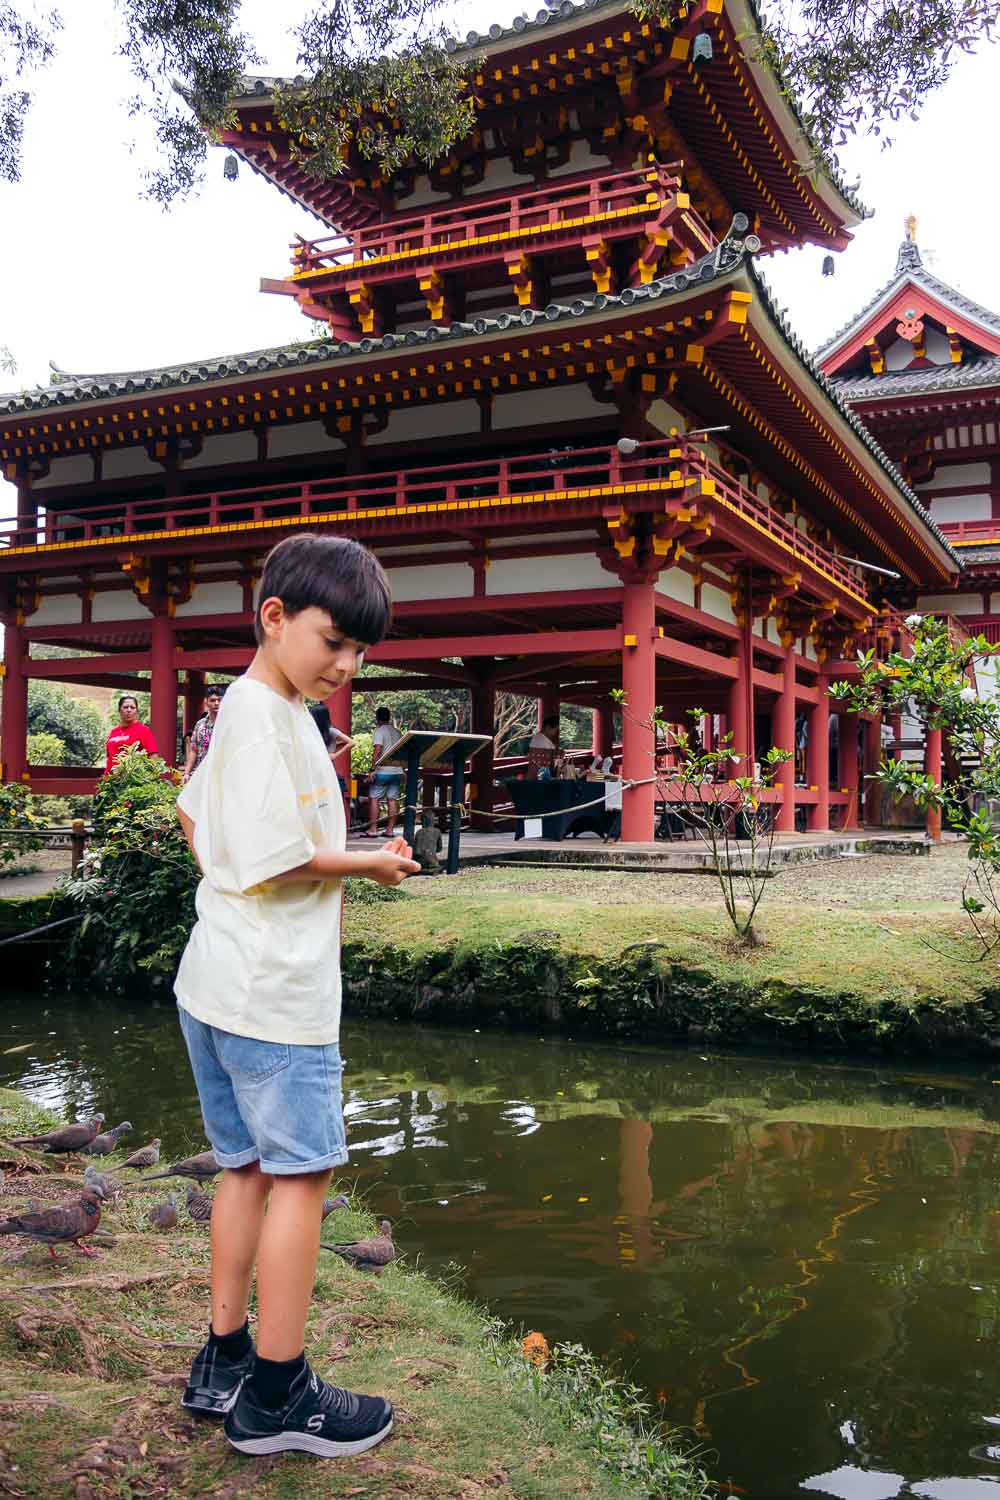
(369, 1255)
(66, 1224)
(103, 1145)
(201, 1168)
(199, 1205)
(164, 1215)
(146, 1156)
(329, 1204)
(65, 1138)
(109, 1186)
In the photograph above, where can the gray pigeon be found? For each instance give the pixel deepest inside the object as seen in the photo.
(369, 1255)
(201, 1168)
(109, 1186)
(103, 1145)
(329, 1204)
(146, 1156)
(66, 1138)
(164, 1215)
(66, 1224)
(199, 1205)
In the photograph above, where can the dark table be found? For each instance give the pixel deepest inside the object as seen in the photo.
(558, 799)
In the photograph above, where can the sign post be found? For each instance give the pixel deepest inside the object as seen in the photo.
(426, 749)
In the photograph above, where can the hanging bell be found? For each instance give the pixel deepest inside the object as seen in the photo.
(701, 50)
(828, 265)
(230, 168)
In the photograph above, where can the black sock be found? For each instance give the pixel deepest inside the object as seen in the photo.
(272, 1378)
(235, 1345)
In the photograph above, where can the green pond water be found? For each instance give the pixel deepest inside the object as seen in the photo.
(799, 1259)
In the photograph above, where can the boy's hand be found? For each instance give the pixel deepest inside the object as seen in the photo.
(392, 863)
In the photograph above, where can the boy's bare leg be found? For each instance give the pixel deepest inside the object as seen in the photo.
(286, 1263)
(237, 1219)
(373, 815)
(393, 809)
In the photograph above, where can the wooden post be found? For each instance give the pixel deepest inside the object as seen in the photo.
(77, 843)
(736, 714)
(548, 706)
(163, 689)
(455, 817)
(932, 766)
(638, 733)
(783, 738)
(483, 696)
(194, 699)
(873, 759)
(847, 768)
(341, 709)
(602, 731)
(818, 761)
(14, 726)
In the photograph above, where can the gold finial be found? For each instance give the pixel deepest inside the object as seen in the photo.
(910, 225)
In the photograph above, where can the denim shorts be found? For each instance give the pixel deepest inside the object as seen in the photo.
(385, 784)
(270, 1102)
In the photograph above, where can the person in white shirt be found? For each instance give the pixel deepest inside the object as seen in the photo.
(601, 765)
(387, 780)
(258, 994)
(547, 736)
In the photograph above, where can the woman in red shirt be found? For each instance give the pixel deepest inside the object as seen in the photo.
(127, 732)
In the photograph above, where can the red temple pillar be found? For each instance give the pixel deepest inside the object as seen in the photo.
(638, 731)
(484, 699)
(14, 728)
(818, 761)
(548, 706)
(783, 738)
(738, 715)
(932, 767)
(602, 731)
(873, 759)
(341, 709)
(847, 769)
(194, 699)
(163, 688)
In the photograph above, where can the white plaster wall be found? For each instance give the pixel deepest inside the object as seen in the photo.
(936, 347)
(946, 476)
(120, 605)
(544, 575)
(499, 175)
(432, 581)
(224, 448)
(127, 463)
(581, 159)
(664, 417)
(809, 650)
(422, 194)
(715, 602)
(213, 599)
(899, 355)
(986, 678)
(58, 609)
(676, 584)
(995, 604)
(551, 404)
(951, 604)
(304, 437)
(961, 508)
(443, 419)
(78, 469)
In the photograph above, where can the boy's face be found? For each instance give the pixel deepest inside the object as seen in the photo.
(311, 653)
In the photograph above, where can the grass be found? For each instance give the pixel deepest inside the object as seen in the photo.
(93, 1355)
(886, 929)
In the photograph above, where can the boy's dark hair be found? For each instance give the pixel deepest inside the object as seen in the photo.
(383, 715)
(332, 573)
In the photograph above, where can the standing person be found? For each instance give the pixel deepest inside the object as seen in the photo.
(128, 731)
(547, 737)
(201, 735)
(387, 780)
(334, 739)
(258, 991)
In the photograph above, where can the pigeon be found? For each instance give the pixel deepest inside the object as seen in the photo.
(65, 1138)
(108, 1185)
(329, 1204)
(201, 1168)
(146, 1156)
(66, 1224)
(199, 1205)
(369, 1255)
(103, 1145)
(164, 1215)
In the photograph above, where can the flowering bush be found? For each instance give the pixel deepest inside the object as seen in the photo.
(137, 883)
(17, 822)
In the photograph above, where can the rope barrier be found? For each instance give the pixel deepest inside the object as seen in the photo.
(35, 931)
(466, 808)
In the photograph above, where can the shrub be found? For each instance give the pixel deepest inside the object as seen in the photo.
(17, 822)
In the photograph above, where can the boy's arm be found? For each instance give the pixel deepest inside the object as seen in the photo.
(389, 865)
(187, 827)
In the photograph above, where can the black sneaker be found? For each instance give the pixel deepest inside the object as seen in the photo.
(214, 1382)
(318, 1418)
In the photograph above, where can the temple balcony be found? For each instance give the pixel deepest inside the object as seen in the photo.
(662, 501)
(486, 255)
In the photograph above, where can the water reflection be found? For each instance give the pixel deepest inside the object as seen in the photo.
(800, 1260)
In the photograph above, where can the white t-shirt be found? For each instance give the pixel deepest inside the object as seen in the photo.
(385, 736)
(264, 961)
(541, 741)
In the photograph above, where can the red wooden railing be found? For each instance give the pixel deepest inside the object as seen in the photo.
(971, 531)
(472, 219)
(671, 463)
(987, 625)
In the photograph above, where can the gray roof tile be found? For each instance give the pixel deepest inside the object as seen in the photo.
(977, 373)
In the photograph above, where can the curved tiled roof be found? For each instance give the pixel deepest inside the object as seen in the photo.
(979, 372)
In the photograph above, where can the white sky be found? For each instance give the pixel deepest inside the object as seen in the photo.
(98, 279)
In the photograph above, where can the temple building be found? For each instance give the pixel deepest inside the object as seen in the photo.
(553, 392)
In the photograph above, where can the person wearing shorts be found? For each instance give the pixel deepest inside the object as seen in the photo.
(258, 992)
(387, 781)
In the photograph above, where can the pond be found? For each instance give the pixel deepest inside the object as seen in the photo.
(799, 1259)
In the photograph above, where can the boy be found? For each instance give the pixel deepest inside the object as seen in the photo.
(258, 991)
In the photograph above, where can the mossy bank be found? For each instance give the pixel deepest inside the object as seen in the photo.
(94, 1353)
